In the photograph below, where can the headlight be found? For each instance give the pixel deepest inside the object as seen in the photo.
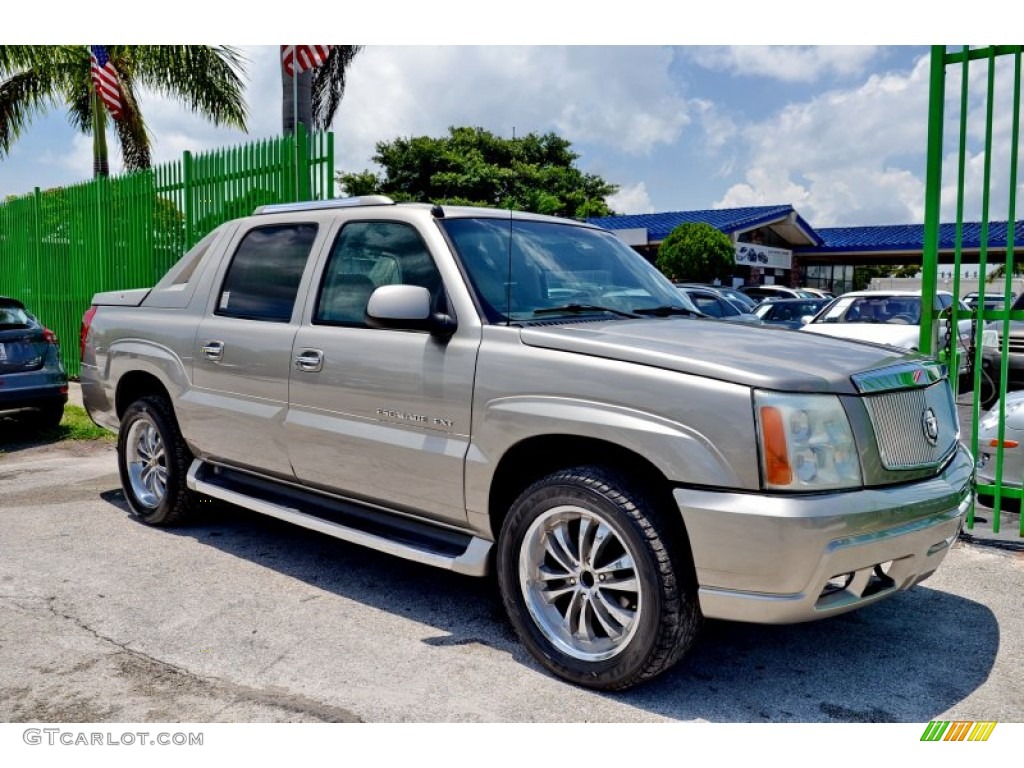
(990, 338)
(806, 442)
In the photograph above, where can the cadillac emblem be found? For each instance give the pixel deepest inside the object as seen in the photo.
(930, 426)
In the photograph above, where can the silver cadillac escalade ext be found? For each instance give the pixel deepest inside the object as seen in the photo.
(477, 389)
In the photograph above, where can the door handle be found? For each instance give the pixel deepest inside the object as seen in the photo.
(310, 360)
(213, 350)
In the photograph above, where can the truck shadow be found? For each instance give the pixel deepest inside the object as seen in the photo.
(907, 659)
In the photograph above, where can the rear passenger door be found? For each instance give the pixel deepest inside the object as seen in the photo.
(242, 351)
(381, 415)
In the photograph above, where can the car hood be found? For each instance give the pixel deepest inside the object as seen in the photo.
(753, 355)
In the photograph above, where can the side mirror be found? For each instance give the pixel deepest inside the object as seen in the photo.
(806, 319)
(407, 307)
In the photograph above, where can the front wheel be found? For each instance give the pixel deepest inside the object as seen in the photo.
(593, 586)
(153, 462)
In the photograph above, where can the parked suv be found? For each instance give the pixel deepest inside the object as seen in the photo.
(32, 376)
(477, 389)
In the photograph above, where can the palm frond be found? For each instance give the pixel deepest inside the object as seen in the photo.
(22, 96)
(208, 78)
(329, 84)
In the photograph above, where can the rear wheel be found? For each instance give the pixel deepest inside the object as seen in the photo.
(153, 462)
(592, 585)
(48, 416)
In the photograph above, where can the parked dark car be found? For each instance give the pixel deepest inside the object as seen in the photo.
(32, 376)
(736, 296)
(788, 313)
(713, 304)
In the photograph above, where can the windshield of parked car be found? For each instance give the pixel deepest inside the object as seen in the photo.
(13, 315)
(898, 310)
(523, 270)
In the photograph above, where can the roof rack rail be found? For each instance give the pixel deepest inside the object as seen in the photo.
(316, 205)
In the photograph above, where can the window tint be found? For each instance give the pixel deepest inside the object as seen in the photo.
(264, 275)
(367, 255)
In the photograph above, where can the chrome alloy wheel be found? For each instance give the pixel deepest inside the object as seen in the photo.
(147, 462)
(579, 579)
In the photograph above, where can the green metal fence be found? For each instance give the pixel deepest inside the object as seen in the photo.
(60, 246)
(985, 108)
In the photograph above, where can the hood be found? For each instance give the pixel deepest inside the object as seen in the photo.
(752, 355)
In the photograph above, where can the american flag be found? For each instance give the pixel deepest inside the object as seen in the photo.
(104, 77)
(299, 58)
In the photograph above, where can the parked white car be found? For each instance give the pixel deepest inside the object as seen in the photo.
(1012, 470)
(886, 317)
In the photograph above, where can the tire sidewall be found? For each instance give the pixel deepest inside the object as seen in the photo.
(608, 673)
(149, 410)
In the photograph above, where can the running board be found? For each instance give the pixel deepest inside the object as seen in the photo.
(394, 534)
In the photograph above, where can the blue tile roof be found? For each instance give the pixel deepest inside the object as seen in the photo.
(910, 237)
(864, 239)
(728, 220)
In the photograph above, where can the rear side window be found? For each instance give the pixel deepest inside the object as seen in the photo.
(265, 272)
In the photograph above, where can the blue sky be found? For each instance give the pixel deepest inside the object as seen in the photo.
(837, 130)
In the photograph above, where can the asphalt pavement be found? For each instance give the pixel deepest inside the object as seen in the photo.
(242, 618)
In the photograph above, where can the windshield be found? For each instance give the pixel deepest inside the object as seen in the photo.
(525, 270)
(898, 310)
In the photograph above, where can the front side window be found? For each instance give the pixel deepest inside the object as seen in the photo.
(367, 255)
(523, 270)
(264, 276)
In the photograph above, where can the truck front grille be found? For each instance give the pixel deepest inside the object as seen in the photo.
(906, 420)
(1015, 345)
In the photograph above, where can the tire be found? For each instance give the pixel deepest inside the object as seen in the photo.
(1005, 504)
(593, 625)
(48, 417)
(153, 462)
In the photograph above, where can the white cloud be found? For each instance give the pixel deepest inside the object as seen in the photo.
(845, 156)
(612, 96)
(631, 199)
(804, 64)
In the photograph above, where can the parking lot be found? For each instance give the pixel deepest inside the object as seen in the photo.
(240, 618)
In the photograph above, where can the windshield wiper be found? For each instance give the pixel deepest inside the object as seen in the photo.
(668, 309)
(576, 309)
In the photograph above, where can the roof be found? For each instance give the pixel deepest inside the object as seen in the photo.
(727, 220)
(910, 237)
(877, 239)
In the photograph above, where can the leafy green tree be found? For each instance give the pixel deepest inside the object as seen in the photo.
(472, 166)
(695, 251)
(37, 78)
(319, 90)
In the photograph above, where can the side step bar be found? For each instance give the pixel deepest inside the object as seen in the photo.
(396, 535)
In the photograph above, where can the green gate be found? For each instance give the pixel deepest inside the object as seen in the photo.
(60, 246)
(984, 86)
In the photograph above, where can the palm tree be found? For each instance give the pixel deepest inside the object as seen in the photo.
(319, 90)
(37, 78)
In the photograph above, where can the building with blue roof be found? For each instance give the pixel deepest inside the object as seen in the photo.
(775, 244)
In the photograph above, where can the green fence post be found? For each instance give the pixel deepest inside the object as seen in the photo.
(186, 191)
(933, 198)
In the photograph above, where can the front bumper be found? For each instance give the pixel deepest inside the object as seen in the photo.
(787, 559)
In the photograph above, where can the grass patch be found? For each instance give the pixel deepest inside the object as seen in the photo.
(76, 425)
(19, 430)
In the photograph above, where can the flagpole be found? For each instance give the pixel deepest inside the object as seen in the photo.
(295, 116)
